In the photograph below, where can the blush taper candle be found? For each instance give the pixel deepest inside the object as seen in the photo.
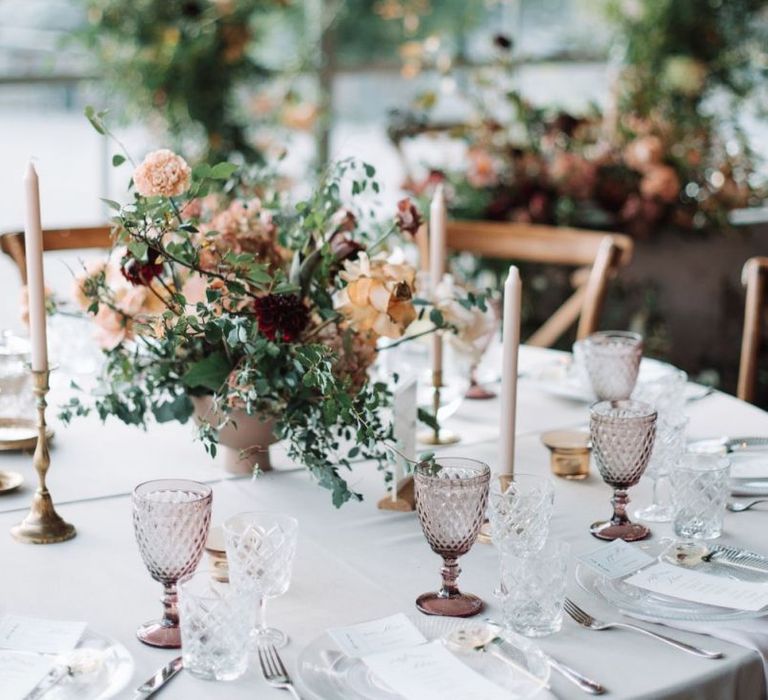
(511, 345)
(33, 243)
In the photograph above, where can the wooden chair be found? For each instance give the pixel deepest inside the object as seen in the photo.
(12, 244)
(753, 277)
(597, 256)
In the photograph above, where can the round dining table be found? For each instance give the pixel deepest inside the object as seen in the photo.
(358, 562)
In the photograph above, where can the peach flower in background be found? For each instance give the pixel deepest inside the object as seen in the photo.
(660, 182)
(644, 152)
(483, 170)
(162, 173)
(300, 116)
(378, 296)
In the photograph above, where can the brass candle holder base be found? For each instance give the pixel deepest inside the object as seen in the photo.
(439, 437)
(43, 525)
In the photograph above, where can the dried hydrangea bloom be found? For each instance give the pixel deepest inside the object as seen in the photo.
(162, 173)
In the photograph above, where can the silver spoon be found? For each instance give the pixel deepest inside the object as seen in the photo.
(740, 506)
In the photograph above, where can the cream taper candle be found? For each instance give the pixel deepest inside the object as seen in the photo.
(33, 243)
(511, 345)
(437, 219)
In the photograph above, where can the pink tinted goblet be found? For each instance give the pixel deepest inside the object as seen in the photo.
(451, 498)
(171, 518)
(623, 433)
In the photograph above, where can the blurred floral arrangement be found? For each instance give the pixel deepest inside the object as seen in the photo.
(217, 287)
(665, 153)
(186, 63)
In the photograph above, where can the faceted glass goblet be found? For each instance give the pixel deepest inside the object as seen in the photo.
(171, 518)
(260, 552)
(623, 434)
(451, 499)
(613, 361)
(520, 511)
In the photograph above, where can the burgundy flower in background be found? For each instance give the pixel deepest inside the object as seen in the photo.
(140, 272)
(281, 316)
(408, 219)
(502, 41)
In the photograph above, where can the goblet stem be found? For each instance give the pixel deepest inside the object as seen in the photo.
(450, 572)
(656, 480)
(262, 622)
(620, 500)
(170, 610)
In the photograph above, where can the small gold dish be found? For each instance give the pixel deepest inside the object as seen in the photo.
(20, 434)
(569, 453)
(217, 553)
(10, 481)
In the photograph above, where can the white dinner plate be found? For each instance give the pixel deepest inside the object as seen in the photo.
(559, 377)
(655, 607)
(328, 674)
(106, 669)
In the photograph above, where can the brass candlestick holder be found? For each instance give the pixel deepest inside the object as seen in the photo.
(437, 436)
(43, 525)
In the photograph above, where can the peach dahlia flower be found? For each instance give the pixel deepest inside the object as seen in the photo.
(162, 173)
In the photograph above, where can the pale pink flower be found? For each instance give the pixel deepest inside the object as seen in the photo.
(644, 152)
(162, 173)
(574, 175)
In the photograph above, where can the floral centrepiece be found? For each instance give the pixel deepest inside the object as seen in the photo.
(216, 287)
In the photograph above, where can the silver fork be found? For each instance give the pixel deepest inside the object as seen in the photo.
(274, 670)
(740, 506)
(586, 620)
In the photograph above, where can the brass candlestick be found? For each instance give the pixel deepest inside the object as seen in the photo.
(43, 525)
(437, 436)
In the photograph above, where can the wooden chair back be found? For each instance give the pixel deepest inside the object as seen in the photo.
(12, 244)
(753, 277)
(597, 256)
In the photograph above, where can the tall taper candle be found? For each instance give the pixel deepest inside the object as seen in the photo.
(437, 218)
(511, 345)
(33, 243)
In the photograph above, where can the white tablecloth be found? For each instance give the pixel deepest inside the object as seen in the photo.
(353, 564)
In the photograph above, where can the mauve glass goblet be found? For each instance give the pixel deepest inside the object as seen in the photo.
(171, 518)
(623, 434)
(613, 361)
(451, 498)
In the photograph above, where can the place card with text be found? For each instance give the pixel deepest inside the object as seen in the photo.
(21, 673)
(431, 672)
(19, 633)
(616, 559)
(698, 587)
(388, 634)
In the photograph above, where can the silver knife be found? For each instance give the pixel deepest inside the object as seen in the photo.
(163, 675)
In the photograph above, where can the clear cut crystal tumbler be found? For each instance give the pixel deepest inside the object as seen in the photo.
(451, 499)
(623, 434)
(700, 489)
(215, 624)
(171, 518)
